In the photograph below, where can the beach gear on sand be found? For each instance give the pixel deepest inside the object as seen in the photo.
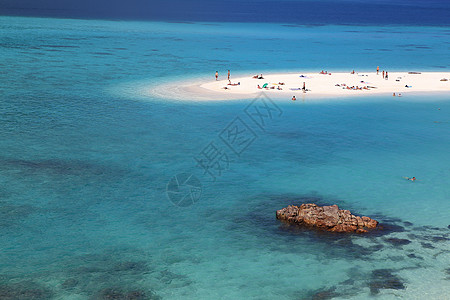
(265, 85)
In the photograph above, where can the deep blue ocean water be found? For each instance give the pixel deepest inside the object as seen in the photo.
(323, 12)
(87, 154)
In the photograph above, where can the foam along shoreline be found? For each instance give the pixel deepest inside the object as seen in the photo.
(317, 85)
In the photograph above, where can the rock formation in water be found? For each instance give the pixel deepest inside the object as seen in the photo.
(329, 218)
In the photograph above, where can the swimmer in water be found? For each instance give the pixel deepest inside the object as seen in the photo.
(410, 178)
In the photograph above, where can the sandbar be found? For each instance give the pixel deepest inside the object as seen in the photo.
(316, 85)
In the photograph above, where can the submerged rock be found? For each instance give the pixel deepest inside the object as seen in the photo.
(69, 283)
(329, 218)
(322, 294)
(119, 294)
(384, 279)
(24, 290)
(398, 242)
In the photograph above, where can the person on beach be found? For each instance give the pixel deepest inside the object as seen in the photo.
(378, 69)
(383, 74)
(386, 76)
(217, 75)
(293, 98)
(228, 74)
(304, 86)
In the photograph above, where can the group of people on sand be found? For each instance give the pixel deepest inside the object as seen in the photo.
(384, 73)
(355, 88)
(229, 81)
(344, 86)
(267, 87)
(324, 72)
(258, 76)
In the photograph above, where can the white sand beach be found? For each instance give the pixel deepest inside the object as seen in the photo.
(317, 85)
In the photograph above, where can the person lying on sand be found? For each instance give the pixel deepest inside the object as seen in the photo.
(281, 83)
(279, 88)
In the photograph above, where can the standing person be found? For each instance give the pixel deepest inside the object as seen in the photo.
(386, 77)
(228, 74)
(378, 69)
(217, 75)
(304, 86)
(383, 74)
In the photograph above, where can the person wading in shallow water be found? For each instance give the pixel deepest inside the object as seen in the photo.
(293, 98)
(378, 69)
(228, 74)
(217, 75)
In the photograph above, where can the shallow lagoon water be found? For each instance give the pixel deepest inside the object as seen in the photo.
(86, 160)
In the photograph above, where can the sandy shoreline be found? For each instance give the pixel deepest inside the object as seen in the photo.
(317, 85)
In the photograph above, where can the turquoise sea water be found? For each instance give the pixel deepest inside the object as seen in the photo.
(86, 157)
